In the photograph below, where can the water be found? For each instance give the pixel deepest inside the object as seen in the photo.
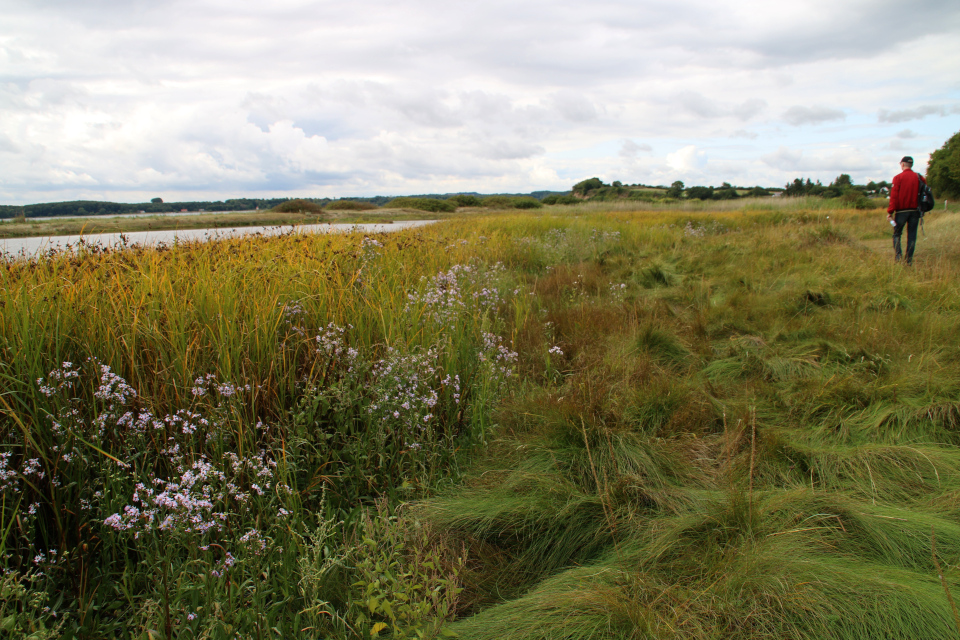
(29, 247)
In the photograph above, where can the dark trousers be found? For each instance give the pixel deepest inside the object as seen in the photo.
(910, 218)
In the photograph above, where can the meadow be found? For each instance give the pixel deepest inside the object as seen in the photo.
(578, 422)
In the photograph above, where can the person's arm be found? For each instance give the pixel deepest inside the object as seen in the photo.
(893, 196)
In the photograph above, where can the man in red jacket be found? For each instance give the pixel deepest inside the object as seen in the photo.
(903, 208)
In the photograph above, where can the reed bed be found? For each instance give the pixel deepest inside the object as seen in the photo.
(573, 424)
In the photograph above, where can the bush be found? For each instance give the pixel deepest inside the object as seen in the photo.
(526, 202)
(298, 206)
(512, 202)
(423, 204)
(558, 199)
(350, 205)
(466, 200)
(700, 193)
(588, 185)
(497, 202)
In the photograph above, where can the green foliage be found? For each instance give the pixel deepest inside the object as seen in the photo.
(700, 193)
(423, 204)
(585, 186)
(561, 199)
(512, 202)
(526, 202)
(403, 585)
(943, 169)
(350, 205)
(676, 190)
(298, 206)
(498, 202)
(466, 200)
(156, 200)
(24, 610)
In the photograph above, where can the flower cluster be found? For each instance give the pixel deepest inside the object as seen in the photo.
(693, 231)
(209, 384)
(198, 498)
(59, 380)
(461, 289)
(497, 357)
(403, 389)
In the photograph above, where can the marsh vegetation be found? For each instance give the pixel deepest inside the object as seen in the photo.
(577, 422)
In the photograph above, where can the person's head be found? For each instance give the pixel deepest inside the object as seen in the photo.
(906, 163)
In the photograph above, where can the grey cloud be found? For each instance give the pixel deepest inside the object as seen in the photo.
(705, 107)
(798, 116)
(504, 149)
(917, 113)
(783, 159)
(630, 149)
(749, 108)
(827, 34)
(743, 133)
(907, 134)
(574, 107)
(699, 104)
(7, 145)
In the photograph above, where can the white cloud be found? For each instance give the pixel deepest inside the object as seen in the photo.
(296, 97)
(687, 160)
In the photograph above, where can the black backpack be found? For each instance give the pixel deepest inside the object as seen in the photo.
(924, 197)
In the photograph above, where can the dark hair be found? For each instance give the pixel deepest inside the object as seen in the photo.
(908, 160)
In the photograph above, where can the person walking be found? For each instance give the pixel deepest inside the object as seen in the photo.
(903, 210)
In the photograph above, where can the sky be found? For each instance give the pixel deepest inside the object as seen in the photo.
(126, 100)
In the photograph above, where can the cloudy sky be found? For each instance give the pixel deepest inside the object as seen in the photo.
(125, 100)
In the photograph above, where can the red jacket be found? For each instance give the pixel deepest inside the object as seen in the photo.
(903, 192)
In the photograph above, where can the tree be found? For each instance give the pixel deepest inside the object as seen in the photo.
(157, 200)
(726, 192)
(675, 190)
(842, 181)
(700, 193)
(943, 169)
(582, 188)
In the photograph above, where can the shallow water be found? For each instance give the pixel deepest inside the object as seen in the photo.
(28, 247)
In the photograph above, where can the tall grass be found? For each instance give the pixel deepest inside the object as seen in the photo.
(575, 423)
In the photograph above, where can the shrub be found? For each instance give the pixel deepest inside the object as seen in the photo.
(588, 185)
(466, 200)
(423, 204)
(558, 199)
(350, 205)
(526, 202)
(298, 205)
(497, 202)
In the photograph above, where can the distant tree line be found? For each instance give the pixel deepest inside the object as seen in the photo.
(595, 189)
(843, 185)
(157, 205)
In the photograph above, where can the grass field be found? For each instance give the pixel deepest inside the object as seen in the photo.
(576, 423)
